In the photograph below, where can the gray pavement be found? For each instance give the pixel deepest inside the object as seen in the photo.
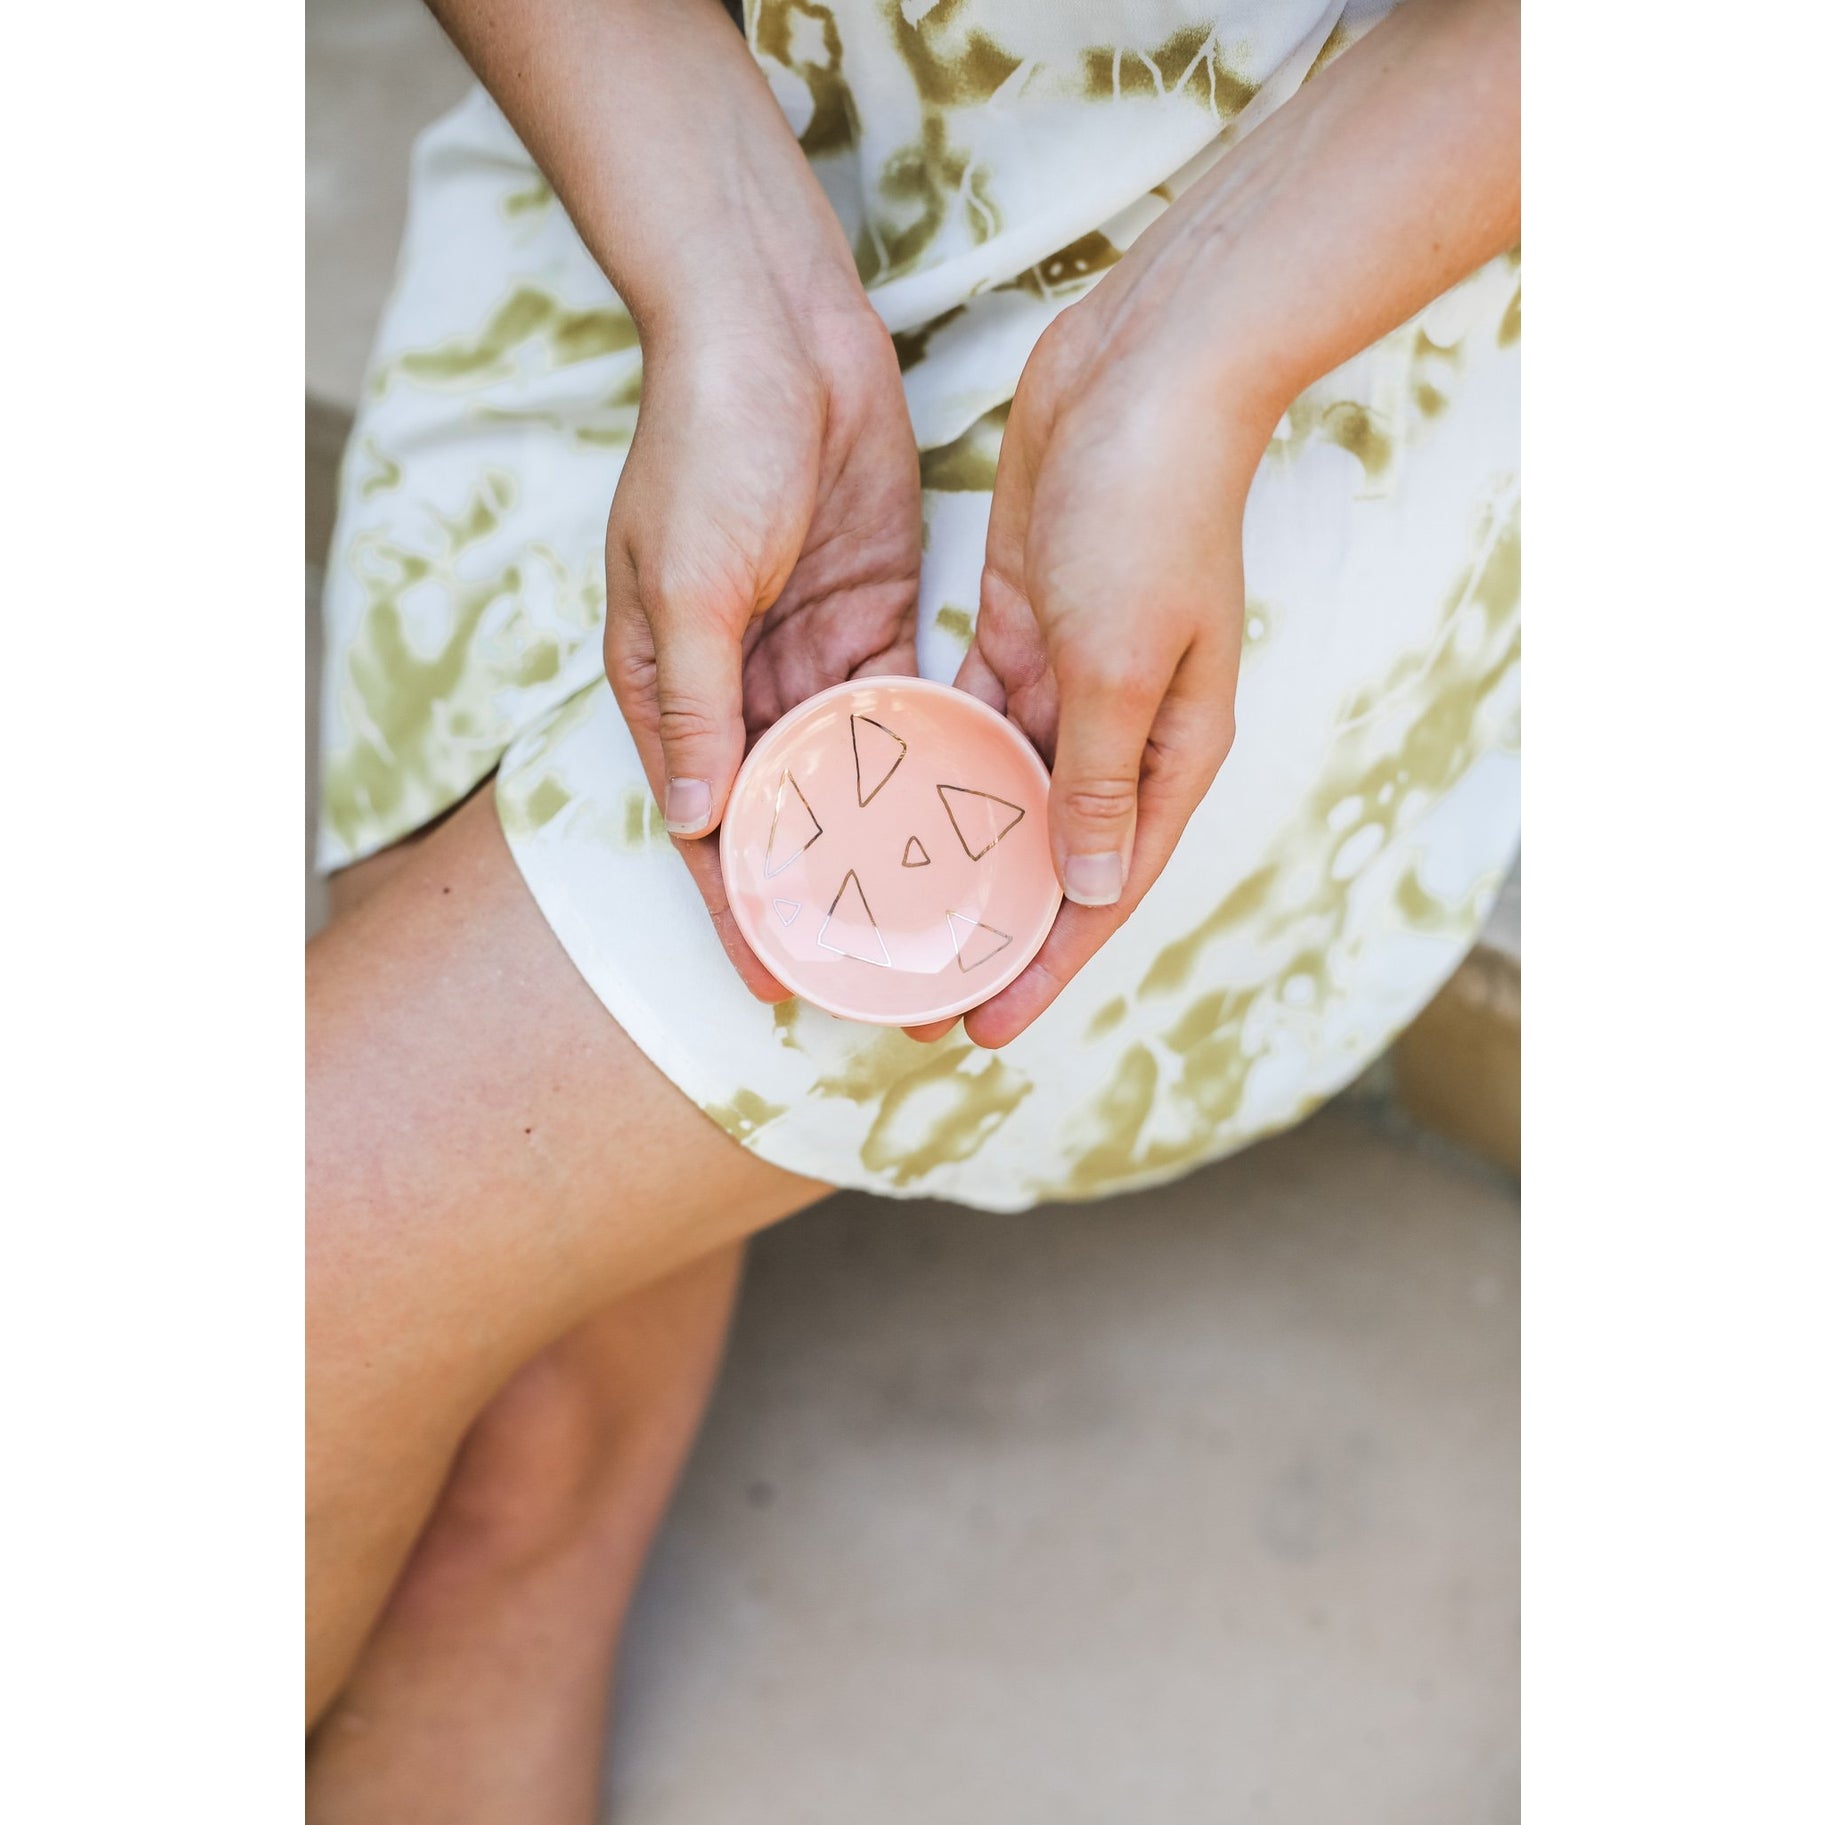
(1199, 1505)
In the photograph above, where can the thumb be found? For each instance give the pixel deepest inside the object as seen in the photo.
(676, 673)
(1106, 707)
(697, 713)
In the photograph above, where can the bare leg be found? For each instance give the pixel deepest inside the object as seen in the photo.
(482, 1694)
(492, 1162)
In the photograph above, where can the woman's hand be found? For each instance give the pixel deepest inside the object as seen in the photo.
(1110, 620)
(764, 544)
(1110, 624)
(764, 540)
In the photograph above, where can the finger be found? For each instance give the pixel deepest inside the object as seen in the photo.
(697, 705)
(1190, 739)
(704, 860)
(629, 656)
(1108, 697)
(1007, 667)
(1077, 934)
(977, 676)
(673, 653)
(900, 660)
(931, 1032)
(1003, 612)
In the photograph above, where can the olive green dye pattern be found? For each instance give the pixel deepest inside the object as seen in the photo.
(1114, 1122)
(1433, 755)
(909, 346)
(1106, 1018)
(531, 790)
(924, 184)
(544, 802)
(1354, 426)
(1208, 1042)
(959, 623)
(1356, 429)
(966, 466)
(1116, 1161)
(744, 1114)
(940, 1114)
(528, 316)
(1212, 1072)
(1424, 912)
(385, 475)
(609, 426)
(1510, 332)
(1333, 47)
(533, 200)
(803, 38)
(1171, 970)
(642, 822)
(1259, 620)
(1069, 270)
(391, 771)
(1348, 424)
(1491, 584)
(1436, 371)
(935, 1106)
(872, 1060)
(1210, 1039)
(426, 728)
(1189, 63)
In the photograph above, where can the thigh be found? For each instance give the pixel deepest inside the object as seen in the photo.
(360, 881)
(490, 1159)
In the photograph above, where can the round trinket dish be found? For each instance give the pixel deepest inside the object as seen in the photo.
(885, 851)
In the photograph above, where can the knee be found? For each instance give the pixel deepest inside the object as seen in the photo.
(528, 1480)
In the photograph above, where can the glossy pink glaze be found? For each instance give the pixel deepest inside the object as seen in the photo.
(885, 851)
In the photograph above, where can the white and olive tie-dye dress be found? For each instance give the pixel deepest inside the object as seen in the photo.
(990, 159)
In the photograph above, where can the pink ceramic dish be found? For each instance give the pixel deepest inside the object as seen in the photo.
(885, 851)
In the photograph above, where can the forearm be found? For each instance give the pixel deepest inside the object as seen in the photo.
(657, 130)
(1385, 180)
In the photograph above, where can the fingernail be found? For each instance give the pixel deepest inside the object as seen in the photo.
(1094, 880)
(687, 806)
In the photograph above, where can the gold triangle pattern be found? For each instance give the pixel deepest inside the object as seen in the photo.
(975, 943)
(875, 761)
(857, 935)
(795, 828)
(964, 805)
(914, 856)
(787, 910)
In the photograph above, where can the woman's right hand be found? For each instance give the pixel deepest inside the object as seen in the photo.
(764, 543)
(764, 540)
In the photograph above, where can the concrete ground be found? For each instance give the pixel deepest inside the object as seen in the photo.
(1199, 1505)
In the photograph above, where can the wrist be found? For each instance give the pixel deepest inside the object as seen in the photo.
(760, 296)
(741, 242)
(774, 306)
(1168, 386)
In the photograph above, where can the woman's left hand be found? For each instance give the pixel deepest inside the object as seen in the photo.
(1110, 625)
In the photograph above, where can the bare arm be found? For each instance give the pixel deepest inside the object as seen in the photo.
(764, 539)
(1388, 178)
(661, 138)
(1110, 626)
